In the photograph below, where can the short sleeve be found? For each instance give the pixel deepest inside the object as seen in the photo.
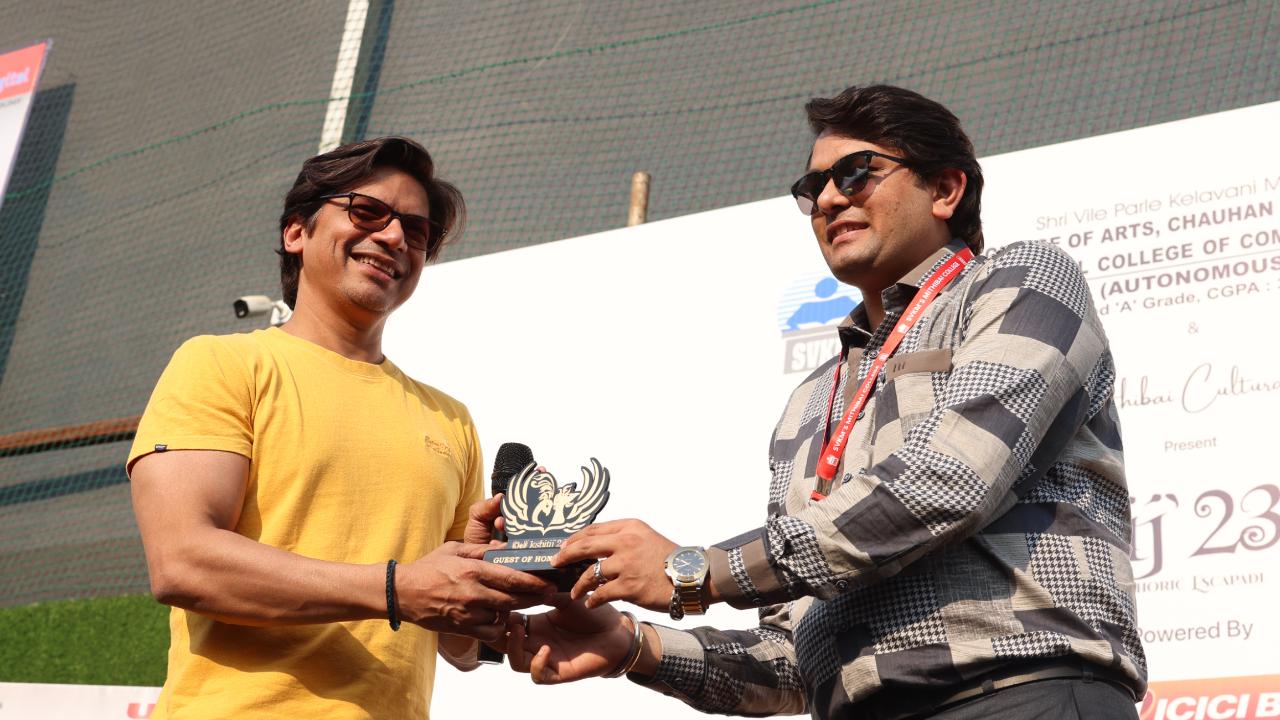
(203, 401)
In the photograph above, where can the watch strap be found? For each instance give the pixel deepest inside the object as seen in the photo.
(686, 595)
(689, 598)
(676, 610)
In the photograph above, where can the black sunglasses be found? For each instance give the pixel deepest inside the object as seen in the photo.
(849, 174)
(372, 215)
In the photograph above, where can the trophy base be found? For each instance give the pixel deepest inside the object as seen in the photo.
(525, 557)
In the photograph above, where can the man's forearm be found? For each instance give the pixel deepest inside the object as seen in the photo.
(734, 672)
(226, 576)
(198, 562)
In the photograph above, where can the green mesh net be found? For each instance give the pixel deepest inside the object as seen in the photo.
(164, 136)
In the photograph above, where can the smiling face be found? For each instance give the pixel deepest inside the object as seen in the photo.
(360, 275)
(872, 238)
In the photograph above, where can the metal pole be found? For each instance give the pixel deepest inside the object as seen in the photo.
(639, 199)
(344, 73)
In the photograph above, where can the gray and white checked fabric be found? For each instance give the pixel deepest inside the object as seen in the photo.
(982, 520)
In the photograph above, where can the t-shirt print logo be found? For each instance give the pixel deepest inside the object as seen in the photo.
(437, 447)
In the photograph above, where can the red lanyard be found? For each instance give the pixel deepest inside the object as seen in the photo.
(834, 450)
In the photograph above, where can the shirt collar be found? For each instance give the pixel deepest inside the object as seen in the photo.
(855, 330)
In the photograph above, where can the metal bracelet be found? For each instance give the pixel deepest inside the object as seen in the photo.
(635, 659)
(633, 653)
(676, 610)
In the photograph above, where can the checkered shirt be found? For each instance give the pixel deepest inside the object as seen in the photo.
(980, 523)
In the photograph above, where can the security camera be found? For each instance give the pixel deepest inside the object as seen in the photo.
(252, 305)
(260, 305)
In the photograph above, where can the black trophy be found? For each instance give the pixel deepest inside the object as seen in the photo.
(541, 514)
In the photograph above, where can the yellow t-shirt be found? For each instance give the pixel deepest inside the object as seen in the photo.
(350, 462)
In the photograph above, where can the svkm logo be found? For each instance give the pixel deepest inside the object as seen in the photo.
(806, 315)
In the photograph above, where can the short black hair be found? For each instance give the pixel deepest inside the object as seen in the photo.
(347, 166)
(924, 132)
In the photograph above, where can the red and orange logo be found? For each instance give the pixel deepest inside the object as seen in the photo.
(19, 70)
(1242, 698)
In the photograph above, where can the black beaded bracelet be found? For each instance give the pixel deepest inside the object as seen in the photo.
(392, 616)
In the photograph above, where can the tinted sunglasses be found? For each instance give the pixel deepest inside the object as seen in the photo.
(372, 215)
(849, 173)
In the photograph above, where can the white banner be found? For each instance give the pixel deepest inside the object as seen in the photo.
(38, 701)
(19, 74)
(1176, 228)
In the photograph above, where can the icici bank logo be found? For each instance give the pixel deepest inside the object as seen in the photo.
(1210, 706)
(1147, 709)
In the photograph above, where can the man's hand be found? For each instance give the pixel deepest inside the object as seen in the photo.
(632, 556)
(569, 643)
(483, 517)
(452, 590)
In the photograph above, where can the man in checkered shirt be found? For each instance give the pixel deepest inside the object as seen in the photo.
(971, 557)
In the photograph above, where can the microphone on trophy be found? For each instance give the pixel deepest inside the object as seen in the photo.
(511, 459)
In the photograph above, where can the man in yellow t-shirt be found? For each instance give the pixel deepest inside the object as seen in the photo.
(278, 476)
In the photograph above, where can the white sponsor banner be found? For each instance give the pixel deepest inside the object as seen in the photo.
(1183, 257)
(19, 74)
(39, 701)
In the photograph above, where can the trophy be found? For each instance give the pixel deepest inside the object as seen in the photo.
(540, 515)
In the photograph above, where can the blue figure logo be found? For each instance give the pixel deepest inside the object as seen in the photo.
(822, 311)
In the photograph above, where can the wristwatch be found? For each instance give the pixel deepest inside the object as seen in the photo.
(687, 568)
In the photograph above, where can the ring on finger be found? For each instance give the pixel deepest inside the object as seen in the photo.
(598, 571)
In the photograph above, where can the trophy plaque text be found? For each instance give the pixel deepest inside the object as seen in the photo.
(541, 514)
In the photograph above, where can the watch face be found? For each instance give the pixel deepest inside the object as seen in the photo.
(689, 563)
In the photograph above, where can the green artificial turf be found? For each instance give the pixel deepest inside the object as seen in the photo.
(100, 641)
